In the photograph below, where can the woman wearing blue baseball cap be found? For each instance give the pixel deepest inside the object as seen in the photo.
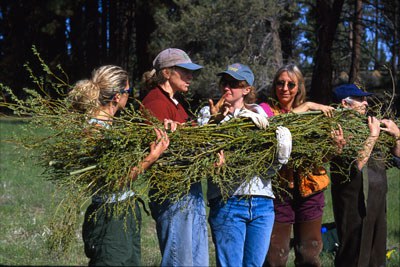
(241, 226)
(181, 226)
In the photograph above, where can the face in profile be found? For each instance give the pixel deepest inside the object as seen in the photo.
(124, 96)
(358, 104)
(180, 79)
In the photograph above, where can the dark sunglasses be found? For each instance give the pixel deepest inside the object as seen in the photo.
(290, 85)
(126, 91)
(230, 84)
(123, 91)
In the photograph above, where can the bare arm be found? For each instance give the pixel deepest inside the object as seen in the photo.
(392, 129)
(365, 153)
(306, 106)
(219, 110)
(156, 149)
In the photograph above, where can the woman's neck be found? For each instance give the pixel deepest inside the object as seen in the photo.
(287, 106)
(237, 105)
(167, 88)
(106, 112)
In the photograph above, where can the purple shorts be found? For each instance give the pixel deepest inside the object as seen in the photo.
(298, 209)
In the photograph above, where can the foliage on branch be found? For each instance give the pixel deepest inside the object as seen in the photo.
(84, 160)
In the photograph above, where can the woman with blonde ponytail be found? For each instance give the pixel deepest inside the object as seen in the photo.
(112, 240)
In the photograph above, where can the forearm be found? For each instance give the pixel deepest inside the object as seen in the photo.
(306, 106)
(143, 165)
(365, 153)
(396, 148)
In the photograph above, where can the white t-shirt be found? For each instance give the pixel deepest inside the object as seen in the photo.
(257, 185)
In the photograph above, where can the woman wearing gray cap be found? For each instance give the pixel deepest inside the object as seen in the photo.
(181, 226)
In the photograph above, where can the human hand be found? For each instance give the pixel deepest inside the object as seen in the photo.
(171, 125)
(338, 138)
(390, 127)
(374, 127)
(284, 144)
(160, 145)
(327, 110)
(221, 159)
(260, 121)
(220, 109)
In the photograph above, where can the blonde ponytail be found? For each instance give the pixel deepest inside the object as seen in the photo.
(106, 81)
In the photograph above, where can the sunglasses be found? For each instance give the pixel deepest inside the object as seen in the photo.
(123, 91)
(290, 85)
(126, 91)
(230, 84)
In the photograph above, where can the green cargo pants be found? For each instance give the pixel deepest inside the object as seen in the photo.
(112, 240)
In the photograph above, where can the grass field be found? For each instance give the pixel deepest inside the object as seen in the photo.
(27, 203)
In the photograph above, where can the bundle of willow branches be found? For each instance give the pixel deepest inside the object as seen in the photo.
(84, 160)
(89, 159)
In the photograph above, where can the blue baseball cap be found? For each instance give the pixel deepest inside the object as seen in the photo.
(239, 72)
(171, 57)
(348, 90)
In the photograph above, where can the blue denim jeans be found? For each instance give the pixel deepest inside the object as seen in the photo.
(241, 229)
(182, 230)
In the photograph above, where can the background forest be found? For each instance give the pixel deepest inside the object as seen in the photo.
(333, 41)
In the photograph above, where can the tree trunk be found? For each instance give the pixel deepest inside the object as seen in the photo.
(376, 48)
(145, 25)
(105, 20)
(276, 43)
(356, 52)
(77, 38)
(395, 53)
(92, 30)
(327, 17)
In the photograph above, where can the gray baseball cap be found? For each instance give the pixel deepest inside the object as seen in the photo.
(174, 57)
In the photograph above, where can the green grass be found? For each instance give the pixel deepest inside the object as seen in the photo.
(27, 203)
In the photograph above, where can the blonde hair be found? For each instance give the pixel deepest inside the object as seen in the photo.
(293, 71)
(89, 94)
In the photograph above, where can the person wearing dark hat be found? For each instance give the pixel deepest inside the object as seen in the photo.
(181, 226)
(241, 225)
(359, 199)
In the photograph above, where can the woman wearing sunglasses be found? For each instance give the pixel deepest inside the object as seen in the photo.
(112, 240)
(302, 211)
(241, 225)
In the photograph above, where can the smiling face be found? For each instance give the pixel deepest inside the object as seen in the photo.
(286, 89)
(180, 79)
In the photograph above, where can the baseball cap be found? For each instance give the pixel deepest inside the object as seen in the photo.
(348, 90)
(174, 57)
(239, 72)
